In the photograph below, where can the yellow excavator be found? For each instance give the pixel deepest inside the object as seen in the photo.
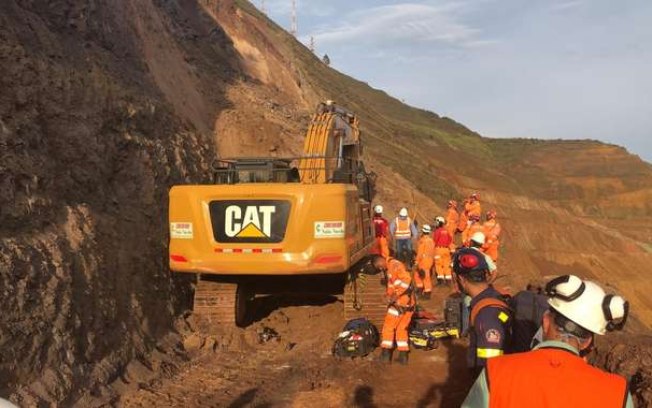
(270, 225)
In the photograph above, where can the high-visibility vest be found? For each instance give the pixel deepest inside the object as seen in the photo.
(403, 229)
(551, 377)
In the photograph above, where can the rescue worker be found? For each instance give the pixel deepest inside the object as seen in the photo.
(443, 241)
(492, 233)
(401, 303)
(474, 227)
(472, 206)
(381, 227)
(452, 218)
(403, 231)
(489, 323)
(554, 374)
(478, 242)
(425, 260)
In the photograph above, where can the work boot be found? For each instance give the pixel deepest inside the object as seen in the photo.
(426, 295)
(419, 292)
(440, 282)
(402, 358)
(385, 356)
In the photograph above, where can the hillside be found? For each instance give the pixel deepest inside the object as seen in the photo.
(105, 105)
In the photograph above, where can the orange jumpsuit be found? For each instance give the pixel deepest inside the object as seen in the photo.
(473, 228)
(492, 232)
(472, 208)
(452, 220)
(463, 222)
(401, 308)
(443, 243)
(425, 260)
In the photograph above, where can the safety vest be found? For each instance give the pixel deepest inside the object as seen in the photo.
(551, 377)
(403, 230)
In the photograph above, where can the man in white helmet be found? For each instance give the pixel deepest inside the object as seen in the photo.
(554, 374)
(477, 242)
(381, 227)
(404, 231)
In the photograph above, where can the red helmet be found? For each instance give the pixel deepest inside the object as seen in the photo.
(474, 217)
(474, 195)
(491, 214)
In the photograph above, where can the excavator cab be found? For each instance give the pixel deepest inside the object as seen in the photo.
(255, 171)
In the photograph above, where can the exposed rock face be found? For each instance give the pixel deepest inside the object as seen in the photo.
(106, 104)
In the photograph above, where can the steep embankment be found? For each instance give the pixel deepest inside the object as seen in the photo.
(100, 112)
(105, 105)
(566, 206)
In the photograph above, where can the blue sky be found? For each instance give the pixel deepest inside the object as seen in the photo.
(505, 68)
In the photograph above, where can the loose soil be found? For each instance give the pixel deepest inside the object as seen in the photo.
(231, 368)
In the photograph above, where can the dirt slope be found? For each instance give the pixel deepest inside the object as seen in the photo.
(104, 105)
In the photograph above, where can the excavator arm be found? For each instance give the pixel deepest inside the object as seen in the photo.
(332, 149)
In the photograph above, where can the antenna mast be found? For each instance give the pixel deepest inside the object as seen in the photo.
(295, 25)
(262, 7)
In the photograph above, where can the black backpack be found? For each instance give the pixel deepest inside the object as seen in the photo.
(358, 338)
(526, 309)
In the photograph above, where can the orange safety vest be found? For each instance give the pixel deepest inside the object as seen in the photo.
(551, 377)
(403, 230)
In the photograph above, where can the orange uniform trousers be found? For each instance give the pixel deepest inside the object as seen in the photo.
(443, 263)
(381, 247)
(396, 327)
(425, 265)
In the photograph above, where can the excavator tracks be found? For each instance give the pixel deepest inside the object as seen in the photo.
(364, 297)
(221, 302)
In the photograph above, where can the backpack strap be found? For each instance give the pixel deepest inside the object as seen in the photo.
(487, 302)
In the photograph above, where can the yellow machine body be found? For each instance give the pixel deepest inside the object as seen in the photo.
(268, 228)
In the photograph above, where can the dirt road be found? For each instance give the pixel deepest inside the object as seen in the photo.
(231, 368)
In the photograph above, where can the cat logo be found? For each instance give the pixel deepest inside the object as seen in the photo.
(250, 222)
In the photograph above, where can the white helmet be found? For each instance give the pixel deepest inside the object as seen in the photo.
(587, 305)
(378, 209)
(440, 220)
(426, 229)
(478, 238)
(403, 212)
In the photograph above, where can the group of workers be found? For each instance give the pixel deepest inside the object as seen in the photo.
(436, 243)
(555, 372)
